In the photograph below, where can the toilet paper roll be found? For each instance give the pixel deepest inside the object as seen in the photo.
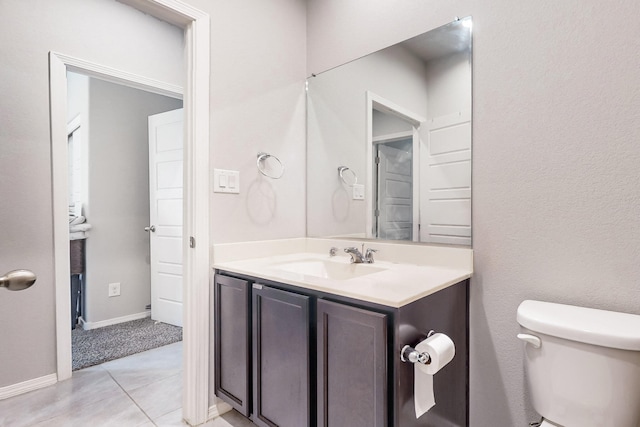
(441, 350)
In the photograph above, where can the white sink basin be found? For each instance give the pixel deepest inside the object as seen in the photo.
(327, 269)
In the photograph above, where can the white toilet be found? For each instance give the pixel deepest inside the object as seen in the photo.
(583, 364)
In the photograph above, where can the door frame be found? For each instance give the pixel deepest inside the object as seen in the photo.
(377, 102)
(196, 26)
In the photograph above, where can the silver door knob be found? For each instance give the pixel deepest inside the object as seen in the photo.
(151, 229)
(17, 280)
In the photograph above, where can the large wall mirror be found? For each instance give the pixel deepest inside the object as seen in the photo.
(389, 142)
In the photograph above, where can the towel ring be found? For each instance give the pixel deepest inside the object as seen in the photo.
(342, 170)
(264, 156)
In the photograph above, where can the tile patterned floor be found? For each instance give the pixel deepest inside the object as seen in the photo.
(144, 389)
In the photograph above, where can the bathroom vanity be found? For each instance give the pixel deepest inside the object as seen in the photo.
(293, 348)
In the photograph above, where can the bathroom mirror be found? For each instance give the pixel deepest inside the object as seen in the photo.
(389, 142)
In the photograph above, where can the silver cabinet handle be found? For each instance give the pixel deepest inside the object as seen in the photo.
(17, 280)
(151, 229)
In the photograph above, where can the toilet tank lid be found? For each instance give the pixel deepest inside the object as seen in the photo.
(588, 325)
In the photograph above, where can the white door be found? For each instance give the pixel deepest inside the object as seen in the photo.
(165, 205)
(394, 214)
(446, 210)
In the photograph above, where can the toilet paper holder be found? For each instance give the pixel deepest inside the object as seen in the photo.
(410, 354)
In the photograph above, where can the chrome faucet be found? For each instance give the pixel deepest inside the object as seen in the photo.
(356, 255)
(358, 258)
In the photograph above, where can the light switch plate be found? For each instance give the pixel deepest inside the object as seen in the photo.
(226, 181)
(358, 192)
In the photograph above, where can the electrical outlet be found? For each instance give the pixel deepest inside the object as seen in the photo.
(114, 289)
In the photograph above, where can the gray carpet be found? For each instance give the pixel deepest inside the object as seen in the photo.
(100, 345)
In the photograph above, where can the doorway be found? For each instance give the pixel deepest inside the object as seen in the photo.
(109, 216)
(196, 408)
(394, 183)
(393, 170)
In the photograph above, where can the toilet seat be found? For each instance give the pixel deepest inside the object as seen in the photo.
(547, 423)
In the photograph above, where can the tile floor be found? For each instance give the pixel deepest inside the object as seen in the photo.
(144, 389)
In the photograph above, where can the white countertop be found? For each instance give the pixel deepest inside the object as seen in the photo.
(394, 285)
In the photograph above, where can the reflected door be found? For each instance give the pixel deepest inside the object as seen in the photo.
(446, 210)
(394, 215)
(165, 212)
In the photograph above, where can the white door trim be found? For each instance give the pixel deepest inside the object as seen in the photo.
(196, 193)
(379, 103)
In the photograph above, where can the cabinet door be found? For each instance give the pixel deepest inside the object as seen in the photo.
(352, 366)
(233, 342)
(281, 368)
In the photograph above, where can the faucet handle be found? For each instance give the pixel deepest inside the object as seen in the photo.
(356, 255)
(333, 251)
(368, 256)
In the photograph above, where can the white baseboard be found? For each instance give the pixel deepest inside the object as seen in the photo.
(218, 409)
(102, 323)
(26, 386)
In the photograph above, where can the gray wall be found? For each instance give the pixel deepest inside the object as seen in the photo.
(555, 172)
(449, 83)
(258, 68)
(102, 31)
(258, 56)
(118, 206)
(555, 152)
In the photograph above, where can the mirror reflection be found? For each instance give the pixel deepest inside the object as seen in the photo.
(389, 142)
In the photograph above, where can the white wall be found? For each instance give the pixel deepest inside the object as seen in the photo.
(555, 167)
(117, 250)
(102, 31)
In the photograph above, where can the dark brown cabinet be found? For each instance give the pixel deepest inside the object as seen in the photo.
(352, 366)
(281, 363)
(233, 342)
(287, 356)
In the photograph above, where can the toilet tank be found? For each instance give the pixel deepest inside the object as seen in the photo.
(586, 371)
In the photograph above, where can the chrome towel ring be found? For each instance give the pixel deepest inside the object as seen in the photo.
(264, 156)
(342, 170)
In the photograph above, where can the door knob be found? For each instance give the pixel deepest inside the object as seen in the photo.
(151, 229)
(17, 280)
